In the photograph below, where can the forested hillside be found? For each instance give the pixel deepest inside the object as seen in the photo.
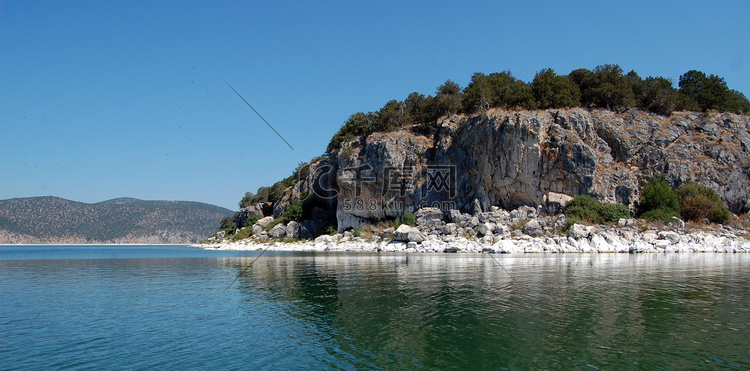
(124, 220)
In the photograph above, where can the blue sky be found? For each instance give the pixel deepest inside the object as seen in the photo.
(107, 99)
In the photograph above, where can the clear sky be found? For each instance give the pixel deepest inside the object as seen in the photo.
(107, 99)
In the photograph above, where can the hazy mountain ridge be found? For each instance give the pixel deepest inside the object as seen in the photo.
(123, 220)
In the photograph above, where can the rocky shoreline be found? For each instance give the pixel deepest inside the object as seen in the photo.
(524, 230)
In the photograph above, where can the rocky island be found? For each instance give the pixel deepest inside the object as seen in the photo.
(480, 176)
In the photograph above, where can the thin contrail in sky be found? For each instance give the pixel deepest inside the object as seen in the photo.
(261, 117)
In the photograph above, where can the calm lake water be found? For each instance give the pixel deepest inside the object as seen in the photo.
(156, 307)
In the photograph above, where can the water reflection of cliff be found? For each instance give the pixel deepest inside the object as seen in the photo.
(421, 310)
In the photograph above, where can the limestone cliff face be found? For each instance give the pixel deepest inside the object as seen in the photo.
(514, 158)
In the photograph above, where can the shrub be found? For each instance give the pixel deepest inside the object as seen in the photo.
(658, 195)
(448, 99)
(327, 229)
(260, 196)
(552, 91)
(228, 222)
(698, 203)
(604, 87)
(659, 96)
(392, 116)
(588, 209)
(663, 213)
(408, 219)
(417, 108)
(242, 234)
(709, 92)
(295, 212)
(252, 219)
(357, 125)
(357, 231)
(569, 221)
(614, 212)
(227, 232)
(246, 199)
(274, 223)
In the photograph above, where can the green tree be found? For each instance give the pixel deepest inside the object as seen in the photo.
(294, 212)
(510, 92)
(356, 125)
(499, 89)
(701, 92)
(301, 171)
(246, 200)
(584, 79)
(261, 195)
(609, 88)
(478, 95)
(637, 84)
(276, 191)
(228, 223)
(659, 96)
(553, 91)
(448, 98)
(693, 89)
(738, 103)
(659, 200)
(392, 116)
(419, 108)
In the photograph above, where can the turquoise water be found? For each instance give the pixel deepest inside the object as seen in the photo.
(156, 307)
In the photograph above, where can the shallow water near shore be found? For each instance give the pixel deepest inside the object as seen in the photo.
(170, 307)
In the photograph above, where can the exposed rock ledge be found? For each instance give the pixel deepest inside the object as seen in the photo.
(521, 231)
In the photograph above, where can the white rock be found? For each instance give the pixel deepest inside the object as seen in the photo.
(264, 222)
(324, 239)
(486, 229)
(679, 223)
(415, 236)
(533, 228)
(402, 233)
(555, 202)
(579, 231)
(649, 236)
(292, 229)
(673, 237)
(600, 244)
(449, 228)
(278, 231)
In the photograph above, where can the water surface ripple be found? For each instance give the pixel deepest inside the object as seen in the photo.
(171, 308)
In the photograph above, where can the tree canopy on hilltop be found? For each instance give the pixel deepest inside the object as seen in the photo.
(603, 87)
(704, 93)
(551, 90)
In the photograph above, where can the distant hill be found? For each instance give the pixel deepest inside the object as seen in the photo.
(122, 220)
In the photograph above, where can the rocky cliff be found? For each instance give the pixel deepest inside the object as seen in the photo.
(513, 158)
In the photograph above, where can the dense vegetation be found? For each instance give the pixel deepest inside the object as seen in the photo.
(659, 201)
(588, 209)
(55, 219)
(605, 86)
(700, 203)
